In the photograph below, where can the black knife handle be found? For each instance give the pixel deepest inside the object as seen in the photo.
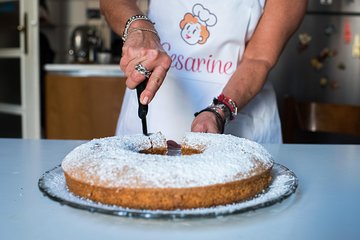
(143, 109)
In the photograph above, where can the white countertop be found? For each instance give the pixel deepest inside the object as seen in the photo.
(325, 205)
(85, 69)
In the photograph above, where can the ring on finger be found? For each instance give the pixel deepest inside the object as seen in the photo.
(141, 69)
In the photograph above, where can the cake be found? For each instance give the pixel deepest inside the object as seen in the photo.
(134, 171)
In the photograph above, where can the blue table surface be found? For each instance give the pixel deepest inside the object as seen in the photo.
(325, 205)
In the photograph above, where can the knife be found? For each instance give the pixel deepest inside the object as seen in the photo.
(143, 109)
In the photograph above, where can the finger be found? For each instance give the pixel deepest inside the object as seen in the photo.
(212, 129)
(198, 128)
(203, 127)
(134, 77)
(155, 81)
(130, 68)
(126, 57)
(149, 58)
(206, 128)
(130, 54)
(158, 64)
(124, 62)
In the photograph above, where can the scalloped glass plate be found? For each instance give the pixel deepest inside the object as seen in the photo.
(283, 184)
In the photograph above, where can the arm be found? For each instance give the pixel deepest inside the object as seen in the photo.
(141, 47)
(280, 20)
(117, 12)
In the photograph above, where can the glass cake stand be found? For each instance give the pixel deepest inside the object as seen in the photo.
(284, 183)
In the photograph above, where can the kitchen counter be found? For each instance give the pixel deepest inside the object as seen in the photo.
(325, 205)
(85, 70)
(83, 101)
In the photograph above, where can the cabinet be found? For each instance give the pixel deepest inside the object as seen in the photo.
(82, 107)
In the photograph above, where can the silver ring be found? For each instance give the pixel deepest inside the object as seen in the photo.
(141, 69)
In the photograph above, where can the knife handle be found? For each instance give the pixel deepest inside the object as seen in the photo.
(143, 109)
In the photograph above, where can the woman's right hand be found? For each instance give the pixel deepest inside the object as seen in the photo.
(144, 47)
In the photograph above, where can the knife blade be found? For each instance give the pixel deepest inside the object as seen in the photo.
(143, 109)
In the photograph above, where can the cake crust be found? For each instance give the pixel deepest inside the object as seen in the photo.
(173, 198)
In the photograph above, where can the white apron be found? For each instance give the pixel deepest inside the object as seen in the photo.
(206, 40)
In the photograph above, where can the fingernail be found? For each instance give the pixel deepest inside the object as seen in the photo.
(145, 100)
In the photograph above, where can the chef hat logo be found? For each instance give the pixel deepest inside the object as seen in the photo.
(194, 26)
(204, 15)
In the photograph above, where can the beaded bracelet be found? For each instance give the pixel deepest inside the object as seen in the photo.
(130, 21)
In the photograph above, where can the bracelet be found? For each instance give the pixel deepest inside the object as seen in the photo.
(229, 103)
(130, 21)
(222, 107)
(220, 122)
(143, 29)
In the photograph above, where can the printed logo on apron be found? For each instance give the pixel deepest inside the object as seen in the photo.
(194, 26)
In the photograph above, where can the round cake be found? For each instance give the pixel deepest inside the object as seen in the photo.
(134, 171)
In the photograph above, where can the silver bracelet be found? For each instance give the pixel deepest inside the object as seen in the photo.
(130, 21)
(143, 29)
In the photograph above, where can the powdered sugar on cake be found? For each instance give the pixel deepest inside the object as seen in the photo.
(116, 161)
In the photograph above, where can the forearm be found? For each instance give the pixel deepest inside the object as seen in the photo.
(279, 21)
(117, 12)
(247, 81)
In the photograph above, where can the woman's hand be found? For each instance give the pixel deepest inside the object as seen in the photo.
(144, 47)
(206, 122)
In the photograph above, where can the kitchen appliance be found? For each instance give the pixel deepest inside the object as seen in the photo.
(85, 42)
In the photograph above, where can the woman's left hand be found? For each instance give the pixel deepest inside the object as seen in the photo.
(205, 122)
